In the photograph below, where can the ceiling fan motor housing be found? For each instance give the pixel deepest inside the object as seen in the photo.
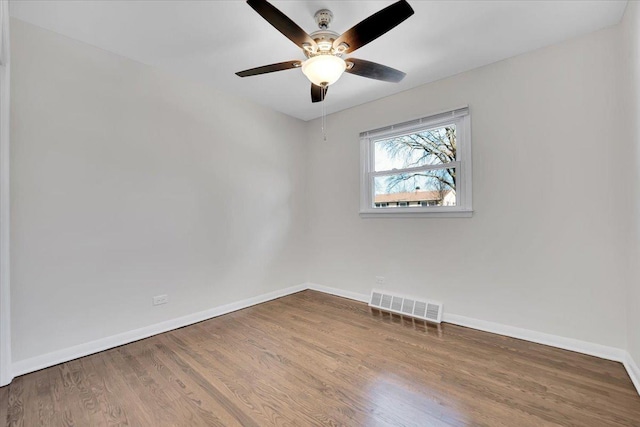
(324, 42)
(324, 37)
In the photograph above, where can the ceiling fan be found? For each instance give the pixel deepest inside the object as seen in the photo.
(324, 48)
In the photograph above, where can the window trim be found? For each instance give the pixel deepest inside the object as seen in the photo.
(461, 117)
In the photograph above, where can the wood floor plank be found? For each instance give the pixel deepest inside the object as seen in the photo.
(376, 362)
(152, 397)
(15, 404)
(302, 391)
(253, 367)
(109, 403)
(41, 413)
(4, 402)
(229, 394)
(321, 366)
(122, 403)
(188, 392)
(315, 359)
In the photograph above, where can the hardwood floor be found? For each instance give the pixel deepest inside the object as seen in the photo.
(314, 359)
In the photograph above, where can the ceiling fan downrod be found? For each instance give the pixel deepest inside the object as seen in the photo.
(323, 18)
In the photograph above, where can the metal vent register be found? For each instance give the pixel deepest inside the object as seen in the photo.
(421, 309)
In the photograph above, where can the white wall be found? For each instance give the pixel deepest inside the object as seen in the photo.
(543, 249)
(631, 95)
(129, 183)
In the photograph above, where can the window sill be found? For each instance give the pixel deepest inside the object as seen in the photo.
(393, 213)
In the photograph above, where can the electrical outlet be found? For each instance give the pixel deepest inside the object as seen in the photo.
(380, 280)
(160, 299)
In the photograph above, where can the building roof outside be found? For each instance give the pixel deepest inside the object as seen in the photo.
(413, 196)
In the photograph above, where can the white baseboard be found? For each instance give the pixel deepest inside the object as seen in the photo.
(584, 347)
(598, 350)
(338, 292)
(633, 371)
(64, 355)
(50, 359)
(60, 356)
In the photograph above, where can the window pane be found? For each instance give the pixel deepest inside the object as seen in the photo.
(436, 187)
(429, 147)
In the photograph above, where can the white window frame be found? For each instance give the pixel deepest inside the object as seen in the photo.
(461, 118)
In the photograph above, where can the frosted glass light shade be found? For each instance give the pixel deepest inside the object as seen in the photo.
(323, 69)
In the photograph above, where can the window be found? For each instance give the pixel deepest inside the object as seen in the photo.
(418, 168)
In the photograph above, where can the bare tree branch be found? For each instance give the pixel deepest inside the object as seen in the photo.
(435, 146)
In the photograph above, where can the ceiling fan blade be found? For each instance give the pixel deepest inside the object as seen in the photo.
(318, 93)
(280, 66)
(374, 26)
(373, 70)
(281, 22)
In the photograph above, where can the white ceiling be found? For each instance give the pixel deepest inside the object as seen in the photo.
(211, 40)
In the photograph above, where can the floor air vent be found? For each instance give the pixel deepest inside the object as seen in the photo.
(422, 309)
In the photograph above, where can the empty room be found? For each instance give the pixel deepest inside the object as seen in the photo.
(319, 213)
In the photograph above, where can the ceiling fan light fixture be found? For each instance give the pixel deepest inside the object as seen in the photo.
(323, 70)
(325, 47)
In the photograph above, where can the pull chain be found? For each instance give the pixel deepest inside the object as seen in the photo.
(324, 115)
